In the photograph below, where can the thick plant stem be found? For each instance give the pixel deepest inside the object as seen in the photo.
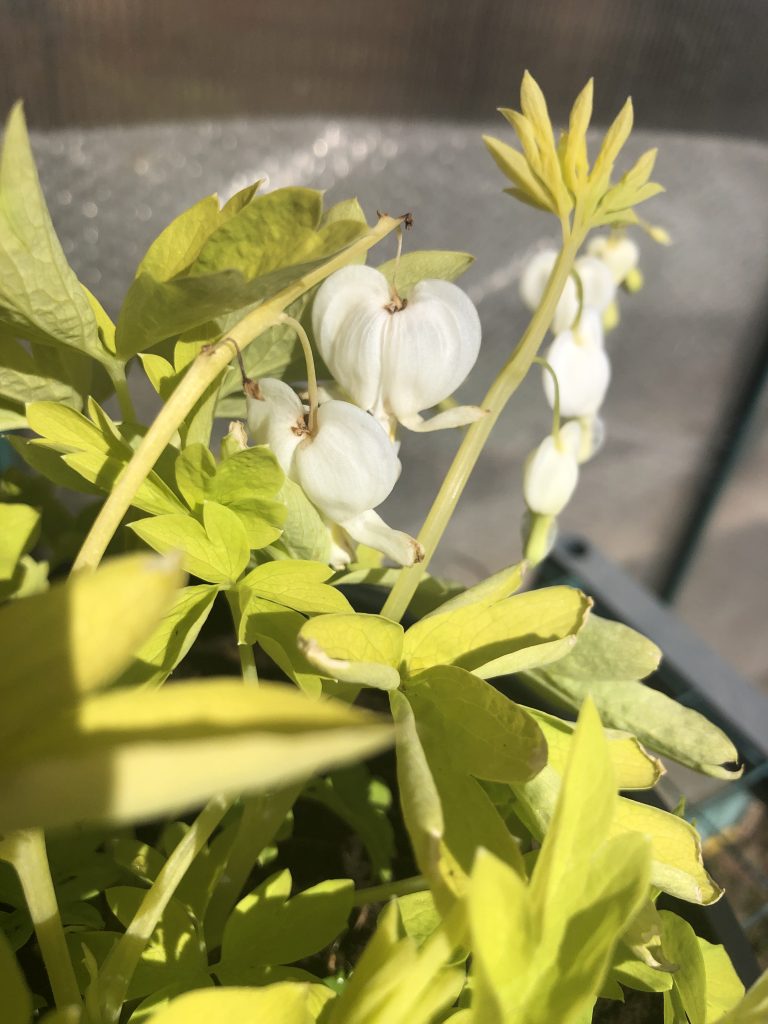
(502, 389)
(380, 893)
(124, 400)
(245, 651)
(203, 371)
(119, 967)
(26, 851)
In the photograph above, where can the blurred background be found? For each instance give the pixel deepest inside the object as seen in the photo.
(138, 109)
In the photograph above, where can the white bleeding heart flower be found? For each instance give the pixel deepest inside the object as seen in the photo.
(550, 477)
(582, 368)
(396, 357)
(346, 467)
(597, 283)
(619, 253)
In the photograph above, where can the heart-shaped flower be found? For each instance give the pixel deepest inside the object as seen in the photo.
(397, 357)
(346, 466)
(619, 253)
(550, 477)
(597, 284)
(583, 371)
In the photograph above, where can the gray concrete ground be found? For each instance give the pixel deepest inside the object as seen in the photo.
(677, 355)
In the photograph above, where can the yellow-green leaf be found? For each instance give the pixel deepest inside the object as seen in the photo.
(354, 648)
(489, 591)
(127, 755)
(416, 266)
(215, 550)
(19, 526)
(64, 643)
(172, 638)
(297, 584)
(518, 633)
(634, 767)
(515, 167)
(489, 736)
(286, 1002)
(575, 161)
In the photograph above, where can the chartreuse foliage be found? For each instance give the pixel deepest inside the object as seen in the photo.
(532, 882)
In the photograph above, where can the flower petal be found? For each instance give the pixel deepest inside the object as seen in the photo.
(429, 348)
(621, 255)
(349, 466)
(276, 419)
(583, 373)
(369, 528)
(457, 416)
(348, 321)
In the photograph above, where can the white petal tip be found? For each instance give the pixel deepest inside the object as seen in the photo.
(458, 416)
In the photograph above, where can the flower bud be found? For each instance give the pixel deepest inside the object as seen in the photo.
(581, 366)
(549, 478)
(618, 252)
(396, 359)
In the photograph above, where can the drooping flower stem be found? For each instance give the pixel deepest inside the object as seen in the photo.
(556, 403)
(502, 389)
(203, 371)
(309, 359)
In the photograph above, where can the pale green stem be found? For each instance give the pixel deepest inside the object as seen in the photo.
(26, 851)
(537, 542)
(203, 371)
(381, 893)
(502, 389)
(580, 298)
(116, 371)
(556, 405)
(309, 361)
(119, 967)
(245, 651)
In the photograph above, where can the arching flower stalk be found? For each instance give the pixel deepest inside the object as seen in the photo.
(549, 479)
(397, 357)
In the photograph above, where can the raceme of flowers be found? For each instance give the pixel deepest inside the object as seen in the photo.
(577, 359)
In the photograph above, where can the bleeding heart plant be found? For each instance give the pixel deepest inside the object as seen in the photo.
(151, 867)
